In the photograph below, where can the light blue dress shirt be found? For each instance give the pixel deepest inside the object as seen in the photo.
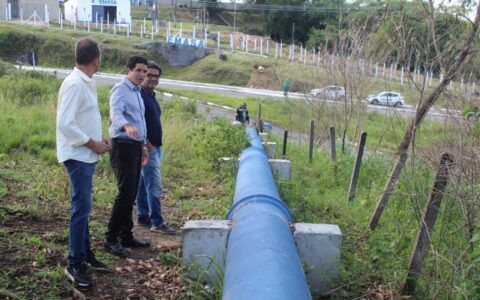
(126, 107)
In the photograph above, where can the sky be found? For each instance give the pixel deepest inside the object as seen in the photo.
(447, 3)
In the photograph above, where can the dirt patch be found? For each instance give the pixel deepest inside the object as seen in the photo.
(264, 78)
(146, 273)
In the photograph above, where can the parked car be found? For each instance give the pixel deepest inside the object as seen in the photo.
(386, 98)
(329, 92)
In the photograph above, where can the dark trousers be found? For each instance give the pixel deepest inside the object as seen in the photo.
(126, 161)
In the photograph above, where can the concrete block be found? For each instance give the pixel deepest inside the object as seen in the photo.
(280, 167)
(263, 136)
(271, 149)
(205, 244)
(319, 248)
(225, 159)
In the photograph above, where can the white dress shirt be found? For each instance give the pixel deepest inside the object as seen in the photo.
(78, 118)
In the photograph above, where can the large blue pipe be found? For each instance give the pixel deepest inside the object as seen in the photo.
(262, 259)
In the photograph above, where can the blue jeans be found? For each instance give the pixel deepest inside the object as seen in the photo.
(150, 190)
(80, 174)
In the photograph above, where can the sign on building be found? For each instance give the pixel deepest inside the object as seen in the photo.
(177, 40)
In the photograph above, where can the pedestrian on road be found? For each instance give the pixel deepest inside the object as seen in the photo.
(79, 147)
(21, 61)
(129, 133)
(149, 211)
(286, 86)
(242, 114)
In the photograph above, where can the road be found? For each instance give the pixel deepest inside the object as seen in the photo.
(106, 78)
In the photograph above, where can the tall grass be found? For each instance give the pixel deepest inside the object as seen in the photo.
(200, 188)
(318, 194)
(28, 118)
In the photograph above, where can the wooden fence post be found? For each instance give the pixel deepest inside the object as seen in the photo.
(310, 148)
(387, 191)
(429, 217)
(333, 149)
(356, 168)
(284, 149)
(260, 121)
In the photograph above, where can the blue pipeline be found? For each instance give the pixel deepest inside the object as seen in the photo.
(262, 259)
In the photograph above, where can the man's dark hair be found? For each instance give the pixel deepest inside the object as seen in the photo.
(86, 51)
(153, 65)
(134, 60)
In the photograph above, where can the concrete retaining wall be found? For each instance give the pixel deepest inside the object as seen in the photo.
(177, 55)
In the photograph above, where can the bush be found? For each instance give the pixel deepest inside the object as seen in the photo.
(176, 107)
(220, 139)
(6, 68)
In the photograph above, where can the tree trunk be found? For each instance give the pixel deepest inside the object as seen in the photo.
(425, 107)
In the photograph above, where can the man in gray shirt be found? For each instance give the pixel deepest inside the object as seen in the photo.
(128, 132)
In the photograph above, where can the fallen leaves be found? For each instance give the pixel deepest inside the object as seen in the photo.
(150, 274)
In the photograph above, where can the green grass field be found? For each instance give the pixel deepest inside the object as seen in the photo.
(34, 202)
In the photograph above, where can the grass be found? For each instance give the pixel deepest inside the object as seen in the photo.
(16, 40)
(237, 70)
(34, 199)
(318, 194)
(384, 130)
(184, 16)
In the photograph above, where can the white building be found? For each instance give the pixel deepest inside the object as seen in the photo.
(16, 9)
(82, 10)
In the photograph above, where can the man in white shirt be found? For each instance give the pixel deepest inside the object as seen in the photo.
(79, 147)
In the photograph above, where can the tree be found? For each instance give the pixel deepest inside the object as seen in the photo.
(279, 24)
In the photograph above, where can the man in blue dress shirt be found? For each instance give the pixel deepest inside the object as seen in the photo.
(129, 133)
(149, 212)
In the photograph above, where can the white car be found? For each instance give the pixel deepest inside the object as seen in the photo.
(386, 98)
(329, 92)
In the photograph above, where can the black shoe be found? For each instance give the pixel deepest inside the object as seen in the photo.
(78, 275)
(115, 248)
(135, 243)
(144, 222)
(94, 264)
(163, 228)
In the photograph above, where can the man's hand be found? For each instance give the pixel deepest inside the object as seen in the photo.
(149, 147)
(98, 147)
(131, 131)
(144, 157)
(107, 142)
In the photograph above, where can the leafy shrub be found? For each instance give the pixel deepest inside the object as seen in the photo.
(220, 139)
(177, 107)
(6, 68)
